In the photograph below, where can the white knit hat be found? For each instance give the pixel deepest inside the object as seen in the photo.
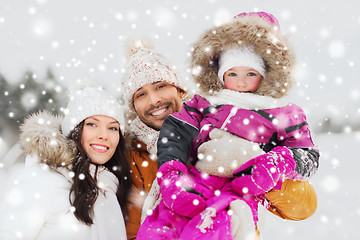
(240, 56)
(146, 66)
(89, 102)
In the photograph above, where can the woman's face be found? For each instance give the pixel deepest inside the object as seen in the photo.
(100, 137)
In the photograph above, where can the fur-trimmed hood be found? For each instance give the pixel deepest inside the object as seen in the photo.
(267, 41)
(41, 135)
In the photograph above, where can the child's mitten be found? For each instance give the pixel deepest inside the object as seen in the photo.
(177, 190)
(265, 172)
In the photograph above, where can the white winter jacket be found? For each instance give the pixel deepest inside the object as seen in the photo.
(37, 206)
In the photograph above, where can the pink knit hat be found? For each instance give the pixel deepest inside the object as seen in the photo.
(267, 16)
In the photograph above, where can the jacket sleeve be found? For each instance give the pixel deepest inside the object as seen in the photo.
(25, 208)
(178, 132)
(134, 213)
(142, 176)
(175, 141)
(307, 161)
(297, 137)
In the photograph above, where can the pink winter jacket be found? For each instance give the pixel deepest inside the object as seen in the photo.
(282, 126)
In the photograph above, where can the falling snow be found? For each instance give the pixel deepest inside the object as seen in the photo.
(88, 46)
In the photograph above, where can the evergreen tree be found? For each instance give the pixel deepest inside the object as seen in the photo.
(4, 94)
(31, 96)
(53, 95)
(5, 99)
(25, 97)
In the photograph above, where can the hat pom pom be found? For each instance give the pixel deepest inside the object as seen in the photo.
(82, 84)
(134, 45)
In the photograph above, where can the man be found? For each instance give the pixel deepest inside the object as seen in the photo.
(153, 91)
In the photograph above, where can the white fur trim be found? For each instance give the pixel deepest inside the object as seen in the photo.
(40, 136)
(248, 101)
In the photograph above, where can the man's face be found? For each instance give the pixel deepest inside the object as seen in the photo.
(154, 102)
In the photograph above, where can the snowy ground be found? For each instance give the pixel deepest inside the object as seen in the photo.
(336, 184)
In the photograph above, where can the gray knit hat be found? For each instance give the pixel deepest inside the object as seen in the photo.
(146, 66)
(89, 102)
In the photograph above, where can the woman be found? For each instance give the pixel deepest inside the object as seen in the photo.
(76, 178)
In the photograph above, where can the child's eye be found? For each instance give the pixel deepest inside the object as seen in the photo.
(232, 74)
(251, 74)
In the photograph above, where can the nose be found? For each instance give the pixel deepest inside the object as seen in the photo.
(154, 98)
(103, 133)
(241, 82)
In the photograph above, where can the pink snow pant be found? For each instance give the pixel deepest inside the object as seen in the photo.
(213, 223)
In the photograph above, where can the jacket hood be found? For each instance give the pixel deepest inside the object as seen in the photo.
(41, 135)
(266, 40)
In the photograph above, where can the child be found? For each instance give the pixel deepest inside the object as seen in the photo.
(246, 67)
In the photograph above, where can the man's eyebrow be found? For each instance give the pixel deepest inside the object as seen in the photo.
(153, 83)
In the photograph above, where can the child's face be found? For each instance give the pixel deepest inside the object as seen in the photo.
(242, 79)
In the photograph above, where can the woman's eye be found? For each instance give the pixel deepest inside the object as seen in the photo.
(91, 124)
(113, 129)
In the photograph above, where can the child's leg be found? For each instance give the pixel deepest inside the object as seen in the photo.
(162, 224)
(242, 221)
(295, 201)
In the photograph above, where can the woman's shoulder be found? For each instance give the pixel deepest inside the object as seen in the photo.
(36, 186)
(39, 176)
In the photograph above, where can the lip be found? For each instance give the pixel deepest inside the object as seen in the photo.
(100, 148)
(161, 112)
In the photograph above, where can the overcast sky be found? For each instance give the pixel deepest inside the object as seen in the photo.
(83, 40)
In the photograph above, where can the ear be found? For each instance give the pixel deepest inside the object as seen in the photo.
(181, 93)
